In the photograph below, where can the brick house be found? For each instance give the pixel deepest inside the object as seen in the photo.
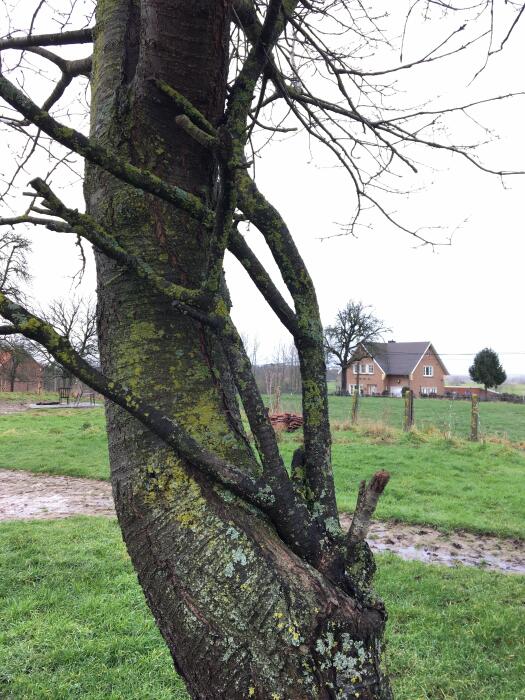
(20, 374)
(389, 367)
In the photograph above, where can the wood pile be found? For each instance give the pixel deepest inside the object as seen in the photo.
(286, 421)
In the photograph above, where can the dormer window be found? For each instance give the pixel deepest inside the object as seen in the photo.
(428, 371)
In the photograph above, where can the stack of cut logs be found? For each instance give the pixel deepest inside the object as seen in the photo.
(286, 421)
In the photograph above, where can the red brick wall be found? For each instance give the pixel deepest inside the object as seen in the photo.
(418, 380)
(28, 378)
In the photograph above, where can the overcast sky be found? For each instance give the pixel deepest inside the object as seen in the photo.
(461, 297)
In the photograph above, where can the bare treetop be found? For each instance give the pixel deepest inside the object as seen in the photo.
(332, 73)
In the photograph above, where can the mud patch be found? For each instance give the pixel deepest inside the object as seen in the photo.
(12, 407)
(24, 495)
(426, 544)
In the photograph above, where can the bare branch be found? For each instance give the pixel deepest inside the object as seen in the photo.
(366, 504)
(14, 249)
(80, 36)
(198, 135)
(51, 224)
(262, 280)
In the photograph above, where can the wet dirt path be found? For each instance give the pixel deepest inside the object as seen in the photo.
(24, 495)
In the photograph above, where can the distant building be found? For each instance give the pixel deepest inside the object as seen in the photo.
(20, 374)
(386, 368)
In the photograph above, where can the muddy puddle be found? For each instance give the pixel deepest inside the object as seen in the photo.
(426, 544)
(24, 495)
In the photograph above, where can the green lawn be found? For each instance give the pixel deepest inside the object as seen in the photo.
(26, 397)
(75, 625)
(449, 483)
(56, 441)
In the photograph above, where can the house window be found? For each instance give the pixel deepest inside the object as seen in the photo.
(353, 389)
(428, 371)
(363, 369)
(427, 390)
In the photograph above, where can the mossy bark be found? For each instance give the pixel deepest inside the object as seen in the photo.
(242, 615)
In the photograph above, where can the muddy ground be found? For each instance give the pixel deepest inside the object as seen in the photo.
(12, 407)
(24, 495)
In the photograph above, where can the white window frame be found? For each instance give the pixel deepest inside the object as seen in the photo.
(429, 373)
(358, 368)
(427, 390)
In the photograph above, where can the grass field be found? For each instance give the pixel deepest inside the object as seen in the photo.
(26, 397)
(438, 481)
(505, 420)
(69, 441)
(75, 624)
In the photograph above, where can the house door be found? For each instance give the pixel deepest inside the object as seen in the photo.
(396, 390)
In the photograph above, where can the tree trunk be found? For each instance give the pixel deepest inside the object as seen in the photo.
(344, 380)
(242, 615)
(12, 375)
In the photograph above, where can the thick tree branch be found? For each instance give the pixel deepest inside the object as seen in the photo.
(81, 66)
(295, 517)
(309, 344)
(80, 36)
(101, 156)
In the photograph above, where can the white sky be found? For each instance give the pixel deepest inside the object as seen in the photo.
(461, 297)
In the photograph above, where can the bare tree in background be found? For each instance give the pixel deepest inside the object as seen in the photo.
(75, 319)
(255, 587)
(14, 249)
(354, 326)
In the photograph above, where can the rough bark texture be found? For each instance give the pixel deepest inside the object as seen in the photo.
(242, 615)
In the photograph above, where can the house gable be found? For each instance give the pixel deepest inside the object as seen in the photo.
(416, 365)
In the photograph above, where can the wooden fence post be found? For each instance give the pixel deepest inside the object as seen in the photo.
(409, 410)
(474, 418)
(355, 405)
